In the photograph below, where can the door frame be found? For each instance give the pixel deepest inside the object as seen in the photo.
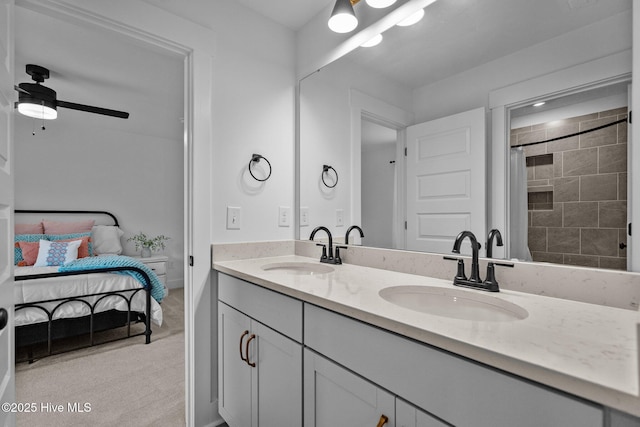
(197, 55)
(390, 116)
(608, 70)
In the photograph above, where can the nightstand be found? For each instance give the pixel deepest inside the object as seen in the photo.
(158, 264)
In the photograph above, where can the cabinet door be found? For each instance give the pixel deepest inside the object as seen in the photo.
(234, 375)
(277, 378)
(408, 415)
(334, 396)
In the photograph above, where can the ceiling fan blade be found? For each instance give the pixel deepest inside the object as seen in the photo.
(19, 89)
(90, 109)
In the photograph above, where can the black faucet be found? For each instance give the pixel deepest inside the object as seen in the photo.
(494, 233)
(326, 258)
(475, 269)
(353, 227)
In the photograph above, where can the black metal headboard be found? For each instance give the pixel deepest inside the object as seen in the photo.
(71, 212)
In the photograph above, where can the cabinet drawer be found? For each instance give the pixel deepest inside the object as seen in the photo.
(454, 389)
(158, 267)
(280, 312)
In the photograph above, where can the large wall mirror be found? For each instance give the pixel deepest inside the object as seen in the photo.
(426, 88)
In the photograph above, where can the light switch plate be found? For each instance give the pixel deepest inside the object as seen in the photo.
(339, 217)
(284, 216)
(234, 218)
(304, 216)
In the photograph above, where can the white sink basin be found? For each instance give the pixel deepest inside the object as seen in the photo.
(454, 303)
(298, 268)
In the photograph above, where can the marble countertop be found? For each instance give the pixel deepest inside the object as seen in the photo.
(587, 350)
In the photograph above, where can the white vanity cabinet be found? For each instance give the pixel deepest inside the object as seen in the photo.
(260, 369)
(333, 396)
(450, 388)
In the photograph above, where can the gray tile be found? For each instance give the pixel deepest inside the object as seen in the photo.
(599, 241)
(623, 133)
(622, 239)
(564, 240)
(613, 263)
(538, 239)
(557, 165)
(534, 136)
(612, 158)
(581, 260)
(599, 187)
(535, 150)
(566, 189)
(580, 162)
(622, 186)
(613, 112)
(580, 214)
(613, 214)
(606, 136)
(548, 218)
(547, 257)
(564, 144)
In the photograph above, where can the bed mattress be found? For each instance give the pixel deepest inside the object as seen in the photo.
(28, 291)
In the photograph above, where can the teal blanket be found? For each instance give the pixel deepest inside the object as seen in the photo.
(106, 261)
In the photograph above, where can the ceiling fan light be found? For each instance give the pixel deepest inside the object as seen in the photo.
(343, 18)
(379, 4)
(37, 111)
(411, 19)
(374, 41)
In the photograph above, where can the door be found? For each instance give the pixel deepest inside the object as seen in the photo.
(446, 184)
(277, 378)
(7, 96)
(334, 396)
(234, 374)
(410, 416)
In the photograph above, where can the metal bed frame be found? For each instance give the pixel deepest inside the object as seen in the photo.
(31, 334)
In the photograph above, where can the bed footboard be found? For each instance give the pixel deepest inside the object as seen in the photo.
(97, 320)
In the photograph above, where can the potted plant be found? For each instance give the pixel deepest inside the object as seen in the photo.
(148, 244)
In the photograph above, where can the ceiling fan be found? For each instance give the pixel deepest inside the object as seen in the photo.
(38, 101)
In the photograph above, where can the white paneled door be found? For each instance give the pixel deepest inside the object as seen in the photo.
(7, 96)
(446, 185)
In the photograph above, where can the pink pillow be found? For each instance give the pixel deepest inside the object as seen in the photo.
(54, 227)
(29, 228)
(29, 253)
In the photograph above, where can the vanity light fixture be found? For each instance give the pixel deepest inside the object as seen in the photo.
(374, 41)
(411, 19)
(343, 18)
(380, 4)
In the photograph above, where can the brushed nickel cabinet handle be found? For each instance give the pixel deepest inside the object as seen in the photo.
(251, 338)
(383, 420)
(245, 333)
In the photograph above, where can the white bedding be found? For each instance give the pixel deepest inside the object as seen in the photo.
(26, 291)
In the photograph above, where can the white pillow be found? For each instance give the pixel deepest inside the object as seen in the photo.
(106, 239)
(57, 253)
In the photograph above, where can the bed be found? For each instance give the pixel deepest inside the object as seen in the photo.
(88, 297)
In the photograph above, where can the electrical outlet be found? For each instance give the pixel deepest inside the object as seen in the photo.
(339, 217)
(304, 216)
(284, 216)
(234, 218)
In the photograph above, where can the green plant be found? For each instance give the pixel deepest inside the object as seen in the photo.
(141, 240)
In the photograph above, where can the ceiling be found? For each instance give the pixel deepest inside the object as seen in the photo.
(92, 67)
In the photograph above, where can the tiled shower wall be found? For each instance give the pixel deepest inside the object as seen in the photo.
(577, 190)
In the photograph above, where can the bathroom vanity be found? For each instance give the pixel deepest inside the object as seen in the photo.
(303, 343)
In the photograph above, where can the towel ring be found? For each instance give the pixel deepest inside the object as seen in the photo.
(256, 158)
(325, 169)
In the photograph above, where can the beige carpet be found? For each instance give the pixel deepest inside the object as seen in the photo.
(124, 383)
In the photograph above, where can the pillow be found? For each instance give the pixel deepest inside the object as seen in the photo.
(57, 253)
(29, 253)
(29, 228)
(54, 227)
(86, 248)
(106, 239)
(23, 238)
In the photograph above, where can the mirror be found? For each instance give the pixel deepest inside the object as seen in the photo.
(445, 64)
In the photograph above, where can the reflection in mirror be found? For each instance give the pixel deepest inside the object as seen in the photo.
(446, 64)
(569, 202)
